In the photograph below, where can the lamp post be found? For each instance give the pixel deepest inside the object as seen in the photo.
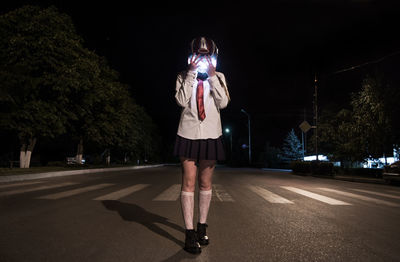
(248, 116)
(228, 131)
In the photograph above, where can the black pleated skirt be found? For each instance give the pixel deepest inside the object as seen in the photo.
(199, 149)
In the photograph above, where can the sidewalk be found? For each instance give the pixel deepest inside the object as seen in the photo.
(70, 172)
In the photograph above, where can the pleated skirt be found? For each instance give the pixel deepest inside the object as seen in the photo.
(199, 149)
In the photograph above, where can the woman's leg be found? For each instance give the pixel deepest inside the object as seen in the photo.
(206, 169)
(189, 171)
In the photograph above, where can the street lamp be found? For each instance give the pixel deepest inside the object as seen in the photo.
(248, 116)
(228, 131)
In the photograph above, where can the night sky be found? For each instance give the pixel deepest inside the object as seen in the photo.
(269, 57)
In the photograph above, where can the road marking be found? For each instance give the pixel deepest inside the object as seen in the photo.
(392, 191)
(18, 191)
(74, 191)
(269, 196)
(20, 184)
(170, 194)
(377, 193)
(221, 193)
(122, 193)
(328, 200)
(377, 201)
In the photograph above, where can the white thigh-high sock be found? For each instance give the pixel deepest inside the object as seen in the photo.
(187, 202)
(204, 204)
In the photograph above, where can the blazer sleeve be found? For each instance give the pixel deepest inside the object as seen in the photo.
(219, 90)
(184, 87)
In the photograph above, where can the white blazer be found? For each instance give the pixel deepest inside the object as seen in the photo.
(216, 97)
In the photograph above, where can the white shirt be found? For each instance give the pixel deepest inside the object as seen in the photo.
(216, 97)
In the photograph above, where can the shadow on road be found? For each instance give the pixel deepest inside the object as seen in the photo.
(135, 213)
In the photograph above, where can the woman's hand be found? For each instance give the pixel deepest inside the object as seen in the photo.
(194, 61)
(211, 68)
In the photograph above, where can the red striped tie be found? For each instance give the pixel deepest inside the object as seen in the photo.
(200, 100)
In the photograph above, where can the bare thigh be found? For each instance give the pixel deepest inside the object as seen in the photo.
(206, 170)
(189, 171)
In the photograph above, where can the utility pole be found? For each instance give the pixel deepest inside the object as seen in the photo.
(303, 140)
(316, 115)
(248, 116)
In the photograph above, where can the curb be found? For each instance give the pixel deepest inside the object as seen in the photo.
(354, 179)
(349, 178)
(69, 173)
(276, 169)
(361, 180)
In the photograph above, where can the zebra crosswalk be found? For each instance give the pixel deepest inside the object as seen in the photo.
(74, 192)
(361, 197)
(122, 193)
(23, 190)
(378, 193)
(325, 199)
(276, 195)
(268, 195)
(170, 194)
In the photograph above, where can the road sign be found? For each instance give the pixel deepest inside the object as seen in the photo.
(305, 126)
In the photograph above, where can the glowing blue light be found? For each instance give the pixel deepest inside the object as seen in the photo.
(203, 63)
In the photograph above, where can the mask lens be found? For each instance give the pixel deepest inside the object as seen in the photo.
(203, 63)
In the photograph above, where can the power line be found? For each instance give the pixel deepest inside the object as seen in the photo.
(364, 64)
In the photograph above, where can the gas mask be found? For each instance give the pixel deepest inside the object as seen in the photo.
(202, 65)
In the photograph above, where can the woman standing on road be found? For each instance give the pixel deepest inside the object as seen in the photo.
(201, 92)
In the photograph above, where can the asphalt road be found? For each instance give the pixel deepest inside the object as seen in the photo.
(255, 215)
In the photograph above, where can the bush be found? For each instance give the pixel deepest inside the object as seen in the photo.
(321, 168)
(300, 167)
(313, 167)
(364, 172)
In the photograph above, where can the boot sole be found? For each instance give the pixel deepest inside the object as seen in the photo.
(204, 243)
(193, 250)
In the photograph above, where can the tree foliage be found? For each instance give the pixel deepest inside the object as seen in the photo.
(338, 137)
(371, 120)
(33, 67)
(366, 130)
(52, 85)
(292, 148)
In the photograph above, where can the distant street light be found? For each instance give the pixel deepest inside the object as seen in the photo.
(228, 131)
(248, 116)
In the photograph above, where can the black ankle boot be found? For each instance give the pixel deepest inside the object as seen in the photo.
(202, 234)
(191, 244)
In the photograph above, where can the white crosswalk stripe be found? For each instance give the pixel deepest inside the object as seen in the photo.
(74, 191)
(20, 184)
(328, 200)
(26, 190)
(171, 194)
(392, 191)
(122, 193)
(269, 196)
(361, 197)
(377, 193)
(221, 193)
